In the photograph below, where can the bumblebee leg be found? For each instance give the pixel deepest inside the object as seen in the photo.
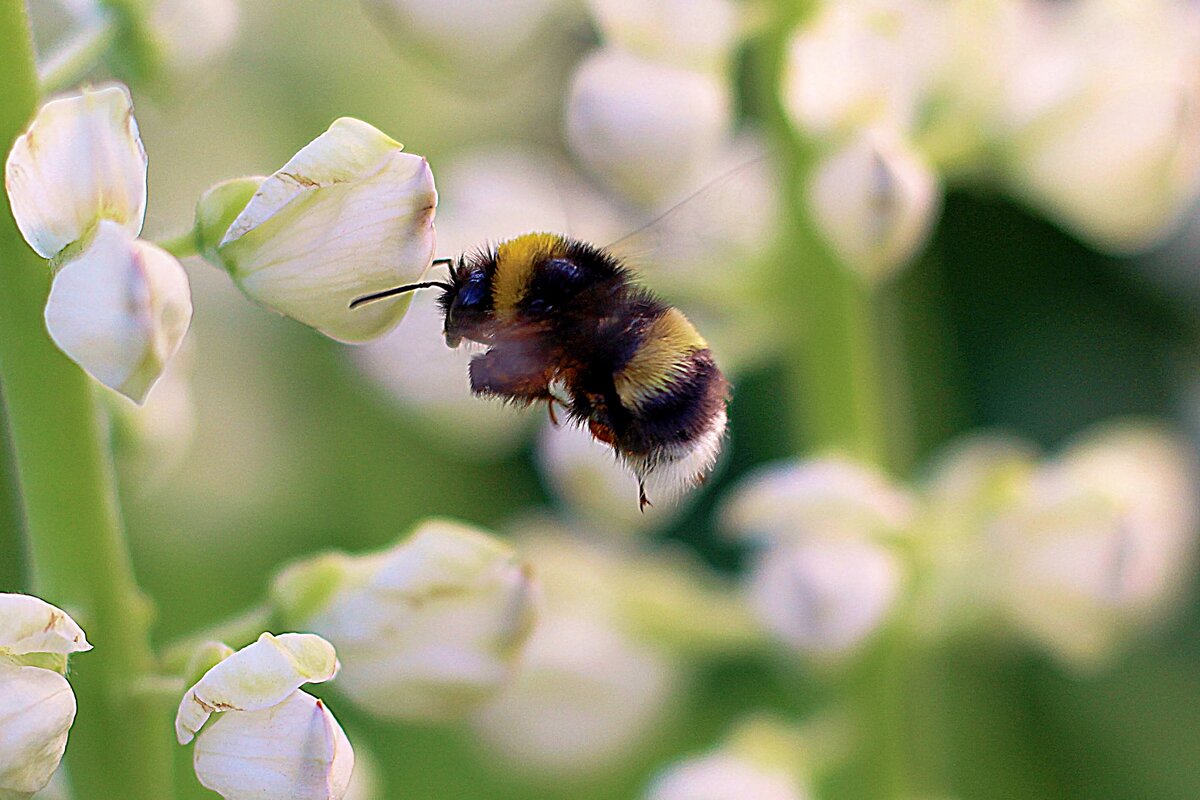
(550, 408)
(511, 373)
(643, 501)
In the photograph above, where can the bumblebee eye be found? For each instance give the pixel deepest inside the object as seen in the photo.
(473, 292)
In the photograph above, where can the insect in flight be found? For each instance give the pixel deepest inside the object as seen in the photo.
(565, 321)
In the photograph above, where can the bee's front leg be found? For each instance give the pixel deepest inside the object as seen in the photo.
(511, 372)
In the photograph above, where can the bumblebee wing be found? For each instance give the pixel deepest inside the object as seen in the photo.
(730, 215)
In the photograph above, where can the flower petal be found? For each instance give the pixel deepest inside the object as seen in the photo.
(120, 310)
(31, 625)
(348, 215)
(80, 161)
(37, 708)
(256, 677)
(291, 750)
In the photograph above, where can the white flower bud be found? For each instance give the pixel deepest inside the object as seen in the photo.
(585, 697)
(37, 706)
(861, 63)
(1100, 542)
(825, 597)
(292, 750)
(875, 200)
(644, 127)
(724, 776)
(427, 629)
(830, 496)
(120, 310)
(81, 161)
(348, 215)
(258, 676)
(689, 33)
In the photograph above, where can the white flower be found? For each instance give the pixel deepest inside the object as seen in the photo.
(1099, 542)
(830, 496)
(348, 215)
(689, 33)
(862, 63)
(826, 596)
(482, 36)
(427, 629)
(644, 127)
(1101, 117)
(724, 776)
(585, 696)
(81, 161)
(37, 706)
(272, 740)
(875, 200)
(120, 310)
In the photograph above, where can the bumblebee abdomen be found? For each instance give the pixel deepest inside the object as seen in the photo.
(671, 385)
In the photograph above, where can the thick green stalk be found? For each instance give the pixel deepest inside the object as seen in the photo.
(826, 312)
(120, 745)
(829, 318)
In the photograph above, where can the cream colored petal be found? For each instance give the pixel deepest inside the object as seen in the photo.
(689, 33)
(643, 127)
(80, 161)
(349, 215)
(31, 625)
(256, 677)
(37, 708)
(291, 750)
(120, 310)
(434, 628)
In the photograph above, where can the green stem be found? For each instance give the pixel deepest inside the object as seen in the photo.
(77, 57)
(827, 313)
(180, 246)
(120, 745)
(831, 320)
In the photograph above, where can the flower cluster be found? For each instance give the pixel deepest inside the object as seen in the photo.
(119, 306)
(1073, 552)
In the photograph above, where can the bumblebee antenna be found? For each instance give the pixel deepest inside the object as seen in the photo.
(408, 287)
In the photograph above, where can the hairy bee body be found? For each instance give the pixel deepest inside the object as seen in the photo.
(564, 321)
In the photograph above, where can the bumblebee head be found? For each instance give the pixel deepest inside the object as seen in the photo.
(467, 304)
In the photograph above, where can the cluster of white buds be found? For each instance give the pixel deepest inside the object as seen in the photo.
(272, 740)
(37, 706)
(427, 629)
(1076, 552)
(1085, 110)
(348, 215)
(76, 181)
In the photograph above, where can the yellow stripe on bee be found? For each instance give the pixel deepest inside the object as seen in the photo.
(516, 260)
(660, 360)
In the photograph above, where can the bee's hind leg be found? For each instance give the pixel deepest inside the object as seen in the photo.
(643, 501)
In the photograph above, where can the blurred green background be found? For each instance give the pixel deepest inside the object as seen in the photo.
(1010, 323)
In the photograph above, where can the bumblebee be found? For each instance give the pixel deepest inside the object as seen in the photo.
(565, 322)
